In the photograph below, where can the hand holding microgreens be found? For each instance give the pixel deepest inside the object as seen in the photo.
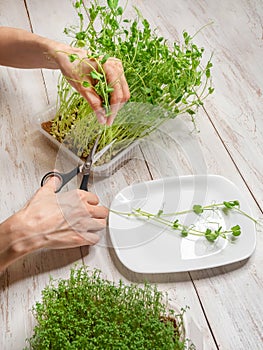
(171, 75)
(101, 87)
(185, 230)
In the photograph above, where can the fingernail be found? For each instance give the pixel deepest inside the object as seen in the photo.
(109, 121)
(102, 120)
(101, 117)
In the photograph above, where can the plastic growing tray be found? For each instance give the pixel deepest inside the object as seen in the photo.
(103, 170)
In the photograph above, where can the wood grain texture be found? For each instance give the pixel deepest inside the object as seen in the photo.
(235, 39)
(24, 159)
(225, 302)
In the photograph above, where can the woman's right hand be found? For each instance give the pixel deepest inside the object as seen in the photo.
(50, 220)
(66, 219)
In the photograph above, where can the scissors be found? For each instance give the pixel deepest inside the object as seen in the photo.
(84, 168)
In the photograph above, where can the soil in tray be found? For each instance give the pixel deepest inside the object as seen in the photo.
(106, 158)
(47, 126)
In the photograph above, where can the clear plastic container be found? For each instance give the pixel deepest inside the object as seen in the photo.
(103, 170)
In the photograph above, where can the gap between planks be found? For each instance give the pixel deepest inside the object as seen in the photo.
(233, 161)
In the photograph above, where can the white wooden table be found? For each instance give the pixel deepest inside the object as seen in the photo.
(226, 303)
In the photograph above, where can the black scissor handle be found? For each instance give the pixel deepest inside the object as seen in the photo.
(64, 178)
(84, 182)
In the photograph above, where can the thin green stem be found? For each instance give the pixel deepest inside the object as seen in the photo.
(246, 215)
(209, 234)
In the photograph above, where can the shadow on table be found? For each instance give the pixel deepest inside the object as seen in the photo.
(43, 262)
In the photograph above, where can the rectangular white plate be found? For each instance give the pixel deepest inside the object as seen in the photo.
(146, 247)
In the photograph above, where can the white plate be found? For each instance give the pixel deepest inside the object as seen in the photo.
(146, 247)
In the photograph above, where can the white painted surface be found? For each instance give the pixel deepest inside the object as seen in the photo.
(228, 298)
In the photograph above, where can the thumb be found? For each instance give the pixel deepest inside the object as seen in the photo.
(53, 182)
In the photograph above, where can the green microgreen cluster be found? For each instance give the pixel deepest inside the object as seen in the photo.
(185, 230)
(171, 76)
(89, 312)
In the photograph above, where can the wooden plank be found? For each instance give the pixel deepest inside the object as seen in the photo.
(49, 19)
(23, 162)
(221, 290)
(178, 286)
(234, 38)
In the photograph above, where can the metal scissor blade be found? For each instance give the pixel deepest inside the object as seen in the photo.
(85, 167)
(99, 154)
(93, 151)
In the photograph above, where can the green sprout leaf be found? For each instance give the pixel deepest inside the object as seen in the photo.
(211, 90)
(109, 89)
(190, 111)
(160, 212)
(78, 4)
(198, 209)
(119, 11)
(184, 233)
(208, 73)
(86, 84)
(112, 4)
(81, 16)
(187, 38)
(81, 36)
(210, 235)
(73, 57)
(105, 58)
(236, 230)
(96, 75)
(231, 204)
(176, 224)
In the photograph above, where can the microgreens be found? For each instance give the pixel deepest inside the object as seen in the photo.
(210, 234)
(89, 312)
(171, 76)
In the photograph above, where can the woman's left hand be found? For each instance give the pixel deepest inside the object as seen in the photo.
(79, 70)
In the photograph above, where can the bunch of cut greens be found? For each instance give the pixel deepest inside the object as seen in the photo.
(212, 229)
(171, 76)
(89, 312)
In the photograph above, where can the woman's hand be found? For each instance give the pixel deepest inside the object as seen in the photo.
(23, 49)
(49, 220)
(78, 71)
(64, 220)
